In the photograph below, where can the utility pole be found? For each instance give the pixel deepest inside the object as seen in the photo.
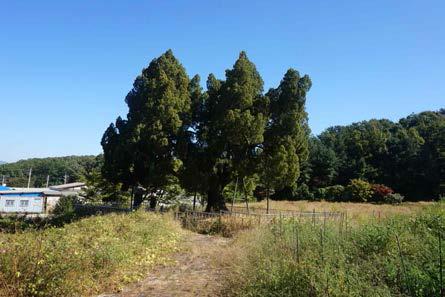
(29, 177)
(47, 181)
(65, 178)
(3, 180)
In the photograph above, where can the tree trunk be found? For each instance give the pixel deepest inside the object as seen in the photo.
(138, 198)
(246, 198)
(153, 201)
(131, 198)
(215, 198)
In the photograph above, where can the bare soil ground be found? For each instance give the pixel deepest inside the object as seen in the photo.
(195, 271)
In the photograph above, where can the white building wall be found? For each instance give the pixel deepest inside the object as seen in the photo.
(51, 202)
(21, 204)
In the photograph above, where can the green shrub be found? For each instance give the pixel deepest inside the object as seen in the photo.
(334, 193)
(303, 193)
(358, 190)
(320, 194)
(86, 257)
(13, 224)
(393, 198)
(286, 193)
(65, 206)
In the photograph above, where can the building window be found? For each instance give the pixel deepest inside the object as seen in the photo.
(9, 203)
(24, 203)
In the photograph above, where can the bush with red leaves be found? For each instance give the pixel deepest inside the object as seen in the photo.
(380, 192)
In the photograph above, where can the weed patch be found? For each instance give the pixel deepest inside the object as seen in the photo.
(85, 257)
(397, 256)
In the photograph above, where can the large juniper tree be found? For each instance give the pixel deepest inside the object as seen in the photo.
(231, 128)
(286, 137)
(142, 150)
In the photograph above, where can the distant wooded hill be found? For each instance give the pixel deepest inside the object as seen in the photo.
(59, 169)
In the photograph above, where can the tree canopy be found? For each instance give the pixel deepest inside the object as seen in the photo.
(143, 149)
(205, 139)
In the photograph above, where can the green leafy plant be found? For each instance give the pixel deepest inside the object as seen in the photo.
(358, 190)
(334, 193)
(88, 256)
(393, 198)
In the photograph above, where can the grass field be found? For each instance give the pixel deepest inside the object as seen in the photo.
(380, 250)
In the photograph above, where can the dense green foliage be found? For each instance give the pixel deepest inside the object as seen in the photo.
(143, 150)
(86, 257)
(399, 256)
(286, 138)
(408, 157)
(177, 133)
(75, 167)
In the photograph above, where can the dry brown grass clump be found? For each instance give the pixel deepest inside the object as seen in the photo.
(226, 226)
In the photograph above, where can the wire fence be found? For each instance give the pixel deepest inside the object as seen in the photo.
(260, 215)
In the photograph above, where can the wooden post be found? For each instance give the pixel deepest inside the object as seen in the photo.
(313, 217)
(131, 198)
(267, 197)
(234, 194)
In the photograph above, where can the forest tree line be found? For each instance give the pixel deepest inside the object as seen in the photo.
(55, 170)
(408, 156)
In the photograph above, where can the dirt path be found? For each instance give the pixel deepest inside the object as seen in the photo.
(193, 274)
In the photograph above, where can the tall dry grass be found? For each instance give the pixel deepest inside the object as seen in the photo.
(354, 211)
(394, 256)
(226, 226)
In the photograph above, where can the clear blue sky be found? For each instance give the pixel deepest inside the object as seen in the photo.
(66, 66)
